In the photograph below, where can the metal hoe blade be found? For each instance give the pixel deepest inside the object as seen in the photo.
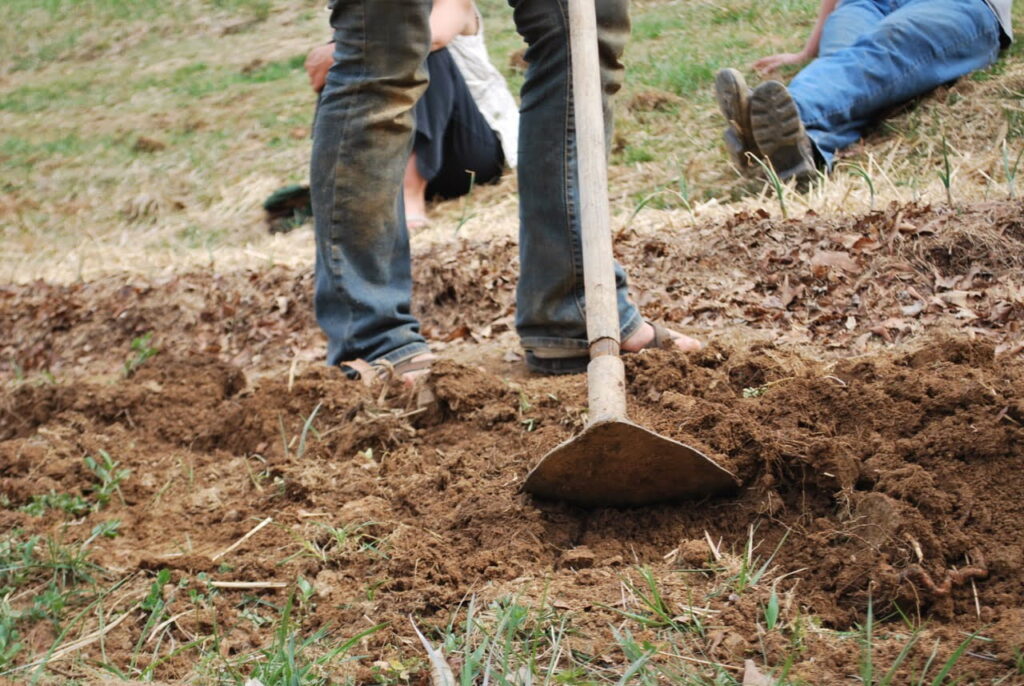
(619, 464)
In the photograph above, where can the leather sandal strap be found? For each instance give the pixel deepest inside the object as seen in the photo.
(364, 370)
(406, 366)
(370, 373)
(663, 338)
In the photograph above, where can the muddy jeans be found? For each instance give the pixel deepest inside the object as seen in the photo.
(362, 140)
(875, 54)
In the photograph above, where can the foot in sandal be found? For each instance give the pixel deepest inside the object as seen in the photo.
(654, 336)
(648, 336)
(408, 370)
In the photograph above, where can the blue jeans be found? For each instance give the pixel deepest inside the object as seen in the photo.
(875, 54)
(362, 140)
(361, 143)
(549, 298)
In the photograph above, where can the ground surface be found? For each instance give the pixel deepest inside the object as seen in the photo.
(871, 470)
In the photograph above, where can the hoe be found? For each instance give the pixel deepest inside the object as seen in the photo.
(613, 462)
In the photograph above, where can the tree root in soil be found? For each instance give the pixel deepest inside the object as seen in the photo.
(954, 577)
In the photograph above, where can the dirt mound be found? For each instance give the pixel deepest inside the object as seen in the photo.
(894, 477)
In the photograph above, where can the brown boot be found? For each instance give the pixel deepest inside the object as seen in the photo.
(733, 97)
(779, 133)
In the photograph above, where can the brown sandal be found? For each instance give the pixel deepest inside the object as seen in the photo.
(371, 373)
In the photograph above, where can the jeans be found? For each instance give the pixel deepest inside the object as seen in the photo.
(361, 143)
(549, 298)
(362, 139)
(875, 54)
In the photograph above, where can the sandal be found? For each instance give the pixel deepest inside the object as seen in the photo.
(569, 360)
(371, 373)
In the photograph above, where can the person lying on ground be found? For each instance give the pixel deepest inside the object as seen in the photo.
(360, 151)
(868, 57)
(467, 121)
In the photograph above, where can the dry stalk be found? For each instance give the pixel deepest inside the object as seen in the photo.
(248, 584)
(243, 539)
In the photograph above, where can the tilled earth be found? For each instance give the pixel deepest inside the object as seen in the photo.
(863, 381)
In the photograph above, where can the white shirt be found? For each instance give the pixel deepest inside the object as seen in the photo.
(488, 88)
(1002, 10)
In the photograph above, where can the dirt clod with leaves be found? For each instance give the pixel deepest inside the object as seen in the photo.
(174, 451)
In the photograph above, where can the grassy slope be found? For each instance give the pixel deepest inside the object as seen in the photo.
(142, 136)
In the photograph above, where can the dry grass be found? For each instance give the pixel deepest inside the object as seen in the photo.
(148, 144)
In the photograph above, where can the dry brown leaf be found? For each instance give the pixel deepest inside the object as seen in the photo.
(912, 310)
(1009, 348)
(752, 676)
(836, 259)
(955, 298)
(946, 283)
(462, 331)
(1000, 312)
(896, 324)
(866, 244)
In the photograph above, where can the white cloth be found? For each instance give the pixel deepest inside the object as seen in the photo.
(488, 88)
(1002, 10)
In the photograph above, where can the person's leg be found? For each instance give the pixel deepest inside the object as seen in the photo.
(361, 143)
(414, 194)
(550, 294)
(458, 144)
(433, 117)
(917, 46)
(850, 20)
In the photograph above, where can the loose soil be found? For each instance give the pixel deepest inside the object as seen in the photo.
(862, 381)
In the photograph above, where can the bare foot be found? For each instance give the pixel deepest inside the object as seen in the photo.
(414, 195)
(643, 336)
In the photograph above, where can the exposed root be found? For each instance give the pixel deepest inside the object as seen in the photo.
(954, 577)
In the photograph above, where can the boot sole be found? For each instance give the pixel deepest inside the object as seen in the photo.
(779, 133)
(732, 94)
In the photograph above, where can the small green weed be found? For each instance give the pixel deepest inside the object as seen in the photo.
(74, 505)
(292, 661)
(752, 570)
(141, 352)
(946, 175)
(307, 426)
(655, 611)
(771, 610)
(110, 477)
(862, 173)
(1010, 170)
(776, 183)
(9, 645)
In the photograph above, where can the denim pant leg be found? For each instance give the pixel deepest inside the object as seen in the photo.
(550, 294)
(917, 46)
(361, 143)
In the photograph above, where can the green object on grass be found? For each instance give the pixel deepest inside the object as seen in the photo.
(288, 208)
